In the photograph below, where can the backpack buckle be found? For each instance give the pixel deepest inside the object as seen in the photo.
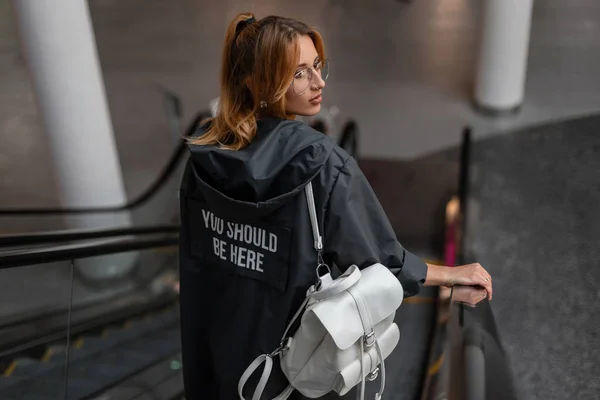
(284, 346)
(373, 375)
(370, 338)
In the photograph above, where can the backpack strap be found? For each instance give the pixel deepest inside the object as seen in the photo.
(312, 210)
(264, 378)
(268, 360)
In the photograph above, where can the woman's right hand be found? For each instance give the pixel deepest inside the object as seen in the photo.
(468, 295)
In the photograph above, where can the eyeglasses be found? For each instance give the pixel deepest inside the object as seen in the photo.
(304, 77)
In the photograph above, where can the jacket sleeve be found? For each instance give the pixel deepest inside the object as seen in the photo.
(357, 231)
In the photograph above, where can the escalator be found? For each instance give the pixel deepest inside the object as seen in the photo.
(98, 362)
(127, 346)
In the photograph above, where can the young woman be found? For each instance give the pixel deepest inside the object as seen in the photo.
(246, 254)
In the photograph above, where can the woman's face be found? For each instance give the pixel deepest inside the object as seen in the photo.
(303, 97)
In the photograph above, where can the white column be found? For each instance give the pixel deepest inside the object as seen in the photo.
(502, 63)
(58, 42)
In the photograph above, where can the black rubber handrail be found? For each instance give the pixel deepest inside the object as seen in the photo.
(27, 257)
(463, 190)
(170, 168)
(25, 239)
(479, 326)
(431, 388)
(467, 349)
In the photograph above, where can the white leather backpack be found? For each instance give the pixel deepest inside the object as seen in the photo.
(346, 332)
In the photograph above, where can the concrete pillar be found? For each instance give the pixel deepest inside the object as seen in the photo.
(502, 63)
(58, 42)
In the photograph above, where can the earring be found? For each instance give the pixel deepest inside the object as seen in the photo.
(263, 104)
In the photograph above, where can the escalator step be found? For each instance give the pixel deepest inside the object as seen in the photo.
(105, 372)
(167, 390)
(48, 371)
(115, 338)
(94, 362)
(30, 389)
(20, 367)
(53, 353)
(89, 376)
(147, 381)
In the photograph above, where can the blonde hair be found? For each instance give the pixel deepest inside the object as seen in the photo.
(258, 65)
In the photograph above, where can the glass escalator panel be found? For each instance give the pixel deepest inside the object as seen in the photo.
(34, 322)
(133, 347)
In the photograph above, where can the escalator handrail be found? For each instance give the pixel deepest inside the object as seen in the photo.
(71, 235)
(437, 360)
(463, 191)
(479, 324)
(175, 159)
(474, 326)
(69, 252)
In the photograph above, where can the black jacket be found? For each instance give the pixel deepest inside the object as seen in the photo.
(246, 253)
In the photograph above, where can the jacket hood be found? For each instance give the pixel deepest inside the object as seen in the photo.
(283, 157)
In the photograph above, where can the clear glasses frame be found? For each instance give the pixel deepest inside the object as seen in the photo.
(304, 77)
